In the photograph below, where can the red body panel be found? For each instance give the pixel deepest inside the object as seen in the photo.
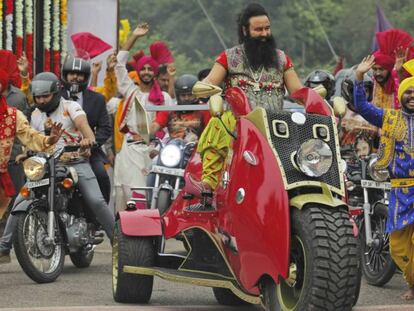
(238, 101)
(313, 102)
(261, 223)
(141, 222)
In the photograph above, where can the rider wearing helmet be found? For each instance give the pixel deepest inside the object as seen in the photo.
(321, 77)
(75, 77)
(181, 123)
(51, 109)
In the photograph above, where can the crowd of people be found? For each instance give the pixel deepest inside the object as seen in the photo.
(113, 127)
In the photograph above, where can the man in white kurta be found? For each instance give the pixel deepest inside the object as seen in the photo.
(133, 161)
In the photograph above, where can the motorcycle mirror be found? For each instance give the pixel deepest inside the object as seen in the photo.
(202, 89)
(320, 89)
(216, 105)
(339, 106)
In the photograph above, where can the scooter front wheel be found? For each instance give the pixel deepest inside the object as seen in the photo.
(131, 251)
(323, 262)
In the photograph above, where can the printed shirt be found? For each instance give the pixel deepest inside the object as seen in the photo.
(66, 112)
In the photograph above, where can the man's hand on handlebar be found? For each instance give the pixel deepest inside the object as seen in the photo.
(85, 147)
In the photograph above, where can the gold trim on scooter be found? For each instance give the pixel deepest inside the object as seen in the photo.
(199, 281)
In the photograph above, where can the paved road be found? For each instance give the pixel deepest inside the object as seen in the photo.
(92, 287)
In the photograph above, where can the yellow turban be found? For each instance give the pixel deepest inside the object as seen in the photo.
(408, 82)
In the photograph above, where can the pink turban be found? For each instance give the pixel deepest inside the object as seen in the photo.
(155, 95)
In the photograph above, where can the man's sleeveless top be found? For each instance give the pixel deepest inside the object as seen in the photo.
(264, 87)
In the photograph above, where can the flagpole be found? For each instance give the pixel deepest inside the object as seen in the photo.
(323, 30)
(212, 25)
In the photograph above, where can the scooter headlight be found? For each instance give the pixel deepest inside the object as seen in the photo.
(34, 168)
(314, 157)
(170, 155)
(377, 175)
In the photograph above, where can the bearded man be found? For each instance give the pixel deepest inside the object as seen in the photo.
(132, 161)
(258, 67)
(395, 154)
(388, 66)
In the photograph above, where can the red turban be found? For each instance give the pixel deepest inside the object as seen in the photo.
(388, 41)
(4, 81)
(155, 95)
(146, 60)
(8, 62)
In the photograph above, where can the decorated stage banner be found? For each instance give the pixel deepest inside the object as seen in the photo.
(18, 19)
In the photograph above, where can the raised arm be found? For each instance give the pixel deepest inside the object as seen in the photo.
(368, 111)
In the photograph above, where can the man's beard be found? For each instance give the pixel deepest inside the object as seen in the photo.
(261, 51)
(381, 79)
(146, 81)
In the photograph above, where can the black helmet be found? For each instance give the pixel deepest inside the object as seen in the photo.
(75, 65)
(323, 77)
(347, 88)
(43, 84)
(184, 85)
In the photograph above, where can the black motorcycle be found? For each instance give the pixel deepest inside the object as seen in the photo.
(52, 219)
(167, 175)
(368, 191)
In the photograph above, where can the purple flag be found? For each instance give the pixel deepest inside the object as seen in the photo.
(381, 25)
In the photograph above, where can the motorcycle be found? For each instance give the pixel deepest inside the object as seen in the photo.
(52, 219)
(368, 192)
(167, 174)
(279, 234)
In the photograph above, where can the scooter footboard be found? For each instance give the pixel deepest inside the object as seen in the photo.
(141, 222)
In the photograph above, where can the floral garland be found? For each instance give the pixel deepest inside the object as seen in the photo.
(29, 33)
(19, 27)
(56, 37)
(9, 24)
(64, 25)
(1, 23)
(46, 34)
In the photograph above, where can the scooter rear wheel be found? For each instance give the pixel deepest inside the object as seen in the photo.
(131, 251)
(323, 261)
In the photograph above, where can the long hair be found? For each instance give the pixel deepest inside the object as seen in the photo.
(251, 10)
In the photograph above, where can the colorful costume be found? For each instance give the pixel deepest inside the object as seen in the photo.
(14, 124)
(388, 41)
(264, 88)
(396, 152)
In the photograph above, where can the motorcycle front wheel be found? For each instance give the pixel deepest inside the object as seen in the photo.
(41, 260)
(323, 268)
(376, 262)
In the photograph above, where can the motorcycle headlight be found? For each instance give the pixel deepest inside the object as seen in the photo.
(377, 175)
(34, 168)
(314, 157)
(170, 155)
